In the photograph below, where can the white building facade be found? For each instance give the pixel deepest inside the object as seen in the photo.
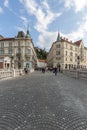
(17, 52)
(65, 53)
(41, 63)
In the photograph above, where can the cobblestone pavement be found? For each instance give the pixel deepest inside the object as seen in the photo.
(43, 102)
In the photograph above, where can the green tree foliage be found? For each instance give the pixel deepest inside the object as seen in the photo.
(41, 53)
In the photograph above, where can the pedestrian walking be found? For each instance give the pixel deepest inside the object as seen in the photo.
(43, 70)
(55, 71)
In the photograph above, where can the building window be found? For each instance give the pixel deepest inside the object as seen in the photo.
(75, 49)
(2, 45)
(71, 54)
(75, 54)
(71, 48)
(57, 52)
(66, 66)
(28, 51)
(66, 45)
(58, 58)
(1, 51)
(27, 44)
(9, 51)
(10, 44)
(76, 60)
(66, 53)
(58, 46)
(70, 59)
(18, 44)
(19, 49)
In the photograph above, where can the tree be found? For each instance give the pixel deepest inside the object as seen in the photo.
(41, 53)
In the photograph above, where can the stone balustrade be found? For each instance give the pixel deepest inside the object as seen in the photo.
(5, 74)
(76, 73)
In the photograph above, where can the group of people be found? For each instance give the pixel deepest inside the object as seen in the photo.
(55, 70)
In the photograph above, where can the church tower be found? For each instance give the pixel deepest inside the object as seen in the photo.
(58, 37)
(28, 33)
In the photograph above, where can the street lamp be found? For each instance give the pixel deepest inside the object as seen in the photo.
(78, 62)
(78, 65)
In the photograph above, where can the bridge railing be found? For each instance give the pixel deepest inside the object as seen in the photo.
(76, 73)
(11, 73)
(6, 74)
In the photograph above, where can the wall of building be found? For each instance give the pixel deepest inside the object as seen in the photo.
(65, 54)
(20, 51)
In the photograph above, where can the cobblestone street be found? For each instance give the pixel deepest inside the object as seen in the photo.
(43, 102)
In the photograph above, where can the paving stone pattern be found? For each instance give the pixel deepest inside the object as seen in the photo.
(37, 102)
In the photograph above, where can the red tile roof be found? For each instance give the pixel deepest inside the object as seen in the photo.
(78, 42)
(42, 60)
(6, 39)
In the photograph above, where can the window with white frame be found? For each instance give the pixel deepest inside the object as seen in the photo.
(1, 51)
(2, 45)
(10, 51)
(10, 44)
(28, 44)
(28, 51)
(57, 52)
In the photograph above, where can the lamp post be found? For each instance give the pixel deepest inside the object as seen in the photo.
(78, 62)
(78, 65)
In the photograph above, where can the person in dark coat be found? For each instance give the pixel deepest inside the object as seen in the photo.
(43, 70)
(55, 70)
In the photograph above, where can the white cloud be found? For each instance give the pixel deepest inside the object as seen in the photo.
(81, 31)
(44, 18)
(30, 5)
(6, 3)
(46, 39)
(44, 3)
(25, 21)
(78, 5)
(1, 10)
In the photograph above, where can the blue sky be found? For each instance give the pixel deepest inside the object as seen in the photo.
(45, 19)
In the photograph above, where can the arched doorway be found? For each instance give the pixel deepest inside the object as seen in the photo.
(7, 62)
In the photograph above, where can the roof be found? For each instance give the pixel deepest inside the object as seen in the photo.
(20, 34)
(42, 60)
(1, 37)
(65, 40)
(6, 39)
(78, 42)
